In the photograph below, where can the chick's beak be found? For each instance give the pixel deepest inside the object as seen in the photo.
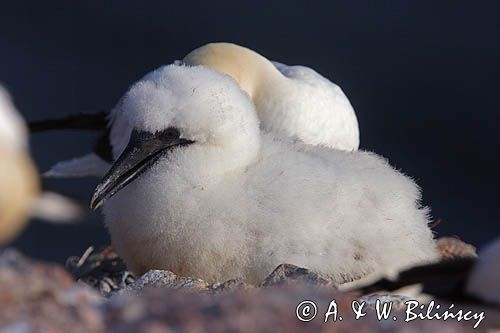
(143, 150)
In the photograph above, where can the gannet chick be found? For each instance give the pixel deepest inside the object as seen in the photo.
(199, 190)
(293, 101)
(18, 177)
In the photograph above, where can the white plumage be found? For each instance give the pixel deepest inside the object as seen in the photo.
(238, 202)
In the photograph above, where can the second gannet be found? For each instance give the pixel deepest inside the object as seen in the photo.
(201, 191)
(293, 101)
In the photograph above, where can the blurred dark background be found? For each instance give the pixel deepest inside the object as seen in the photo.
(422, 76)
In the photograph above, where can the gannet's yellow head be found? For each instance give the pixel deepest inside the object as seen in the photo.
(19, 183)
(253, 72)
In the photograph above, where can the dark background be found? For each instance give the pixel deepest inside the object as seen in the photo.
(423, 77)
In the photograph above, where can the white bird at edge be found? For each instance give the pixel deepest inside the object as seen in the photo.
(20, 195)
(201, 191)
(18, 177)
(292, 102)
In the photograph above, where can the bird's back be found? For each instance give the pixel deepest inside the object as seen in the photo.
(337, 211)
(312, 109)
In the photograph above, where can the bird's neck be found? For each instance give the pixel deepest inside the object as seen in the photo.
(255, 74)
(208, 165)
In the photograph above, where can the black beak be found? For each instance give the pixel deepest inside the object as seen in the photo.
(143, 150)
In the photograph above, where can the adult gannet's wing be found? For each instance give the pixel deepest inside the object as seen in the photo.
(95, 163)
(310, 76)
(82, 121)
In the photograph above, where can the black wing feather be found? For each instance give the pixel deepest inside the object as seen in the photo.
(97, 121)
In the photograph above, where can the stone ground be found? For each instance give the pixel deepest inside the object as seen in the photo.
(95, 293)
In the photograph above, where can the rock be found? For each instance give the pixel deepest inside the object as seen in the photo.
(284, 274)
(229, 286)
(40, 297)
(452, 247)
(255, 310)
(166, 279)
(163, 310)
(290, 274)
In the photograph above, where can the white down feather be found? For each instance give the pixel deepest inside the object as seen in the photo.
(238, 201)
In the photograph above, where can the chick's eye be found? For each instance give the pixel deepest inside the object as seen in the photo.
(170, 133)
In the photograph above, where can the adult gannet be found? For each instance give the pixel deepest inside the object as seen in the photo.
(20, 195)
(199, 190)
(293, 102)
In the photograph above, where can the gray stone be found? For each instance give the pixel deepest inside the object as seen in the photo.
(290, 274)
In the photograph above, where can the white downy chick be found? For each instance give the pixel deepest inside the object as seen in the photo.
(199, 190)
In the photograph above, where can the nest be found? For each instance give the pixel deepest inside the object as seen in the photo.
(102, 269)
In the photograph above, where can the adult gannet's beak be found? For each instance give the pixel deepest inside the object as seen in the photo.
(143, 150)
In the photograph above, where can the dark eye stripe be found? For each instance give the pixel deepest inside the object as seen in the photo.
(165, 135)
